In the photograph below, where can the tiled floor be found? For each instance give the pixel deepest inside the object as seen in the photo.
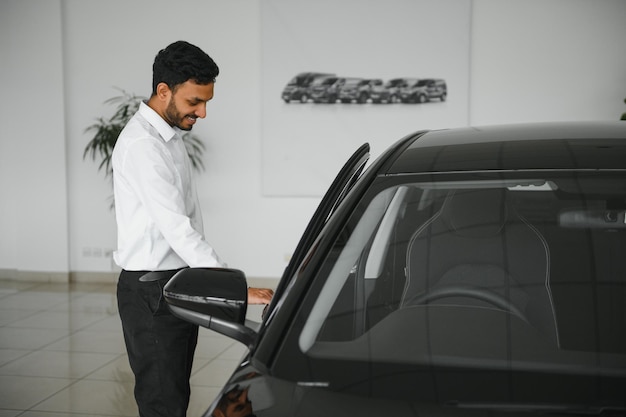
(62, 354)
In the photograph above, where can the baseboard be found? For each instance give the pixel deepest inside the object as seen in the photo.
(34, 276)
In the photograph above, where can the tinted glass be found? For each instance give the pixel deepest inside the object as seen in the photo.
(502, 290)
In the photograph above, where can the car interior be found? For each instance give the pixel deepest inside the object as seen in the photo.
(530, 270)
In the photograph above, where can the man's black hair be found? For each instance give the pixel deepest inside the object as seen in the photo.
(180, 62)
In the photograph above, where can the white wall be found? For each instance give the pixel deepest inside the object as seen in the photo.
(542, 60)
(531, 60)
(33, 190)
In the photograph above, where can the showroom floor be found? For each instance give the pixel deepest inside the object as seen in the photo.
(62, 354)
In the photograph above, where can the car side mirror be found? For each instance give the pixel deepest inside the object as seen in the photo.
(214, 298)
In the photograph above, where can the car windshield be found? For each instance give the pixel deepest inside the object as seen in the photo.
(517, 274)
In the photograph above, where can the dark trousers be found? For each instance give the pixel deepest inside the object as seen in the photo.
(160, 346)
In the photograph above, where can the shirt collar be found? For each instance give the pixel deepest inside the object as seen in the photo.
(166, 131)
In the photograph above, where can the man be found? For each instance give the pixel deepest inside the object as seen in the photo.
(160, 227)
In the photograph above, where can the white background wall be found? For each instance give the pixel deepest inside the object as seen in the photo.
(33, 169)
(531, 60)
(297, 137)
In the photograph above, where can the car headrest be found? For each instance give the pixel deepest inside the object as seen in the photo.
(476, 212)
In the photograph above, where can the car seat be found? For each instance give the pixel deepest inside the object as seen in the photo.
(477, 250)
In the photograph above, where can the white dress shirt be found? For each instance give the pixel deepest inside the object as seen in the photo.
(158, 215)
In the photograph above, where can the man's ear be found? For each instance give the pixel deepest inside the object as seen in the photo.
(163, 91)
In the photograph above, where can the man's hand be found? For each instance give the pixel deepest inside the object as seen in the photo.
(260, 295)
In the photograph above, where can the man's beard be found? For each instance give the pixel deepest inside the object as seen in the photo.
(174, 118)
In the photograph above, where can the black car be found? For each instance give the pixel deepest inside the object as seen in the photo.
(466, 272)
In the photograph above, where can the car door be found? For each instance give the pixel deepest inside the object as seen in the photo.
(344, 181)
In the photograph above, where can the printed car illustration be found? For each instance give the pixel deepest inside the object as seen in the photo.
(358, 90)
(476, 271)
(389, 92)
(297, 89)
(423, 90)
(329, 88)
(326, 89)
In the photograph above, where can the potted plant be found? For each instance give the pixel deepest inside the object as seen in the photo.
(107, 130)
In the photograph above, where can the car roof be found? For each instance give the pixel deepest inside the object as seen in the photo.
(538, 146)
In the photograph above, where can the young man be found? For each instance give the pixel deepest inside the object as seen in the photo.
(160, 227)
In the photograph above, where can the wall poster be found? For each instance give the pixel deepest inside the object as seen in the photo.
(337, 74)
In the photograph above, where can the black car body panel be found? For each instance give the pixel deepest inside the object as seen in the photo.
(471, 271)
(266, 396)
(583, 145)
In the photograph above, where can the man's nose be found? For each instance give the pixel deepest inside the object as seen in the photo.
(201, 111)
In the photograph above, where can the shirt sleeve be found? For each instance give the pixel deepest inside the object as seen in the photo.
(152, 173)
